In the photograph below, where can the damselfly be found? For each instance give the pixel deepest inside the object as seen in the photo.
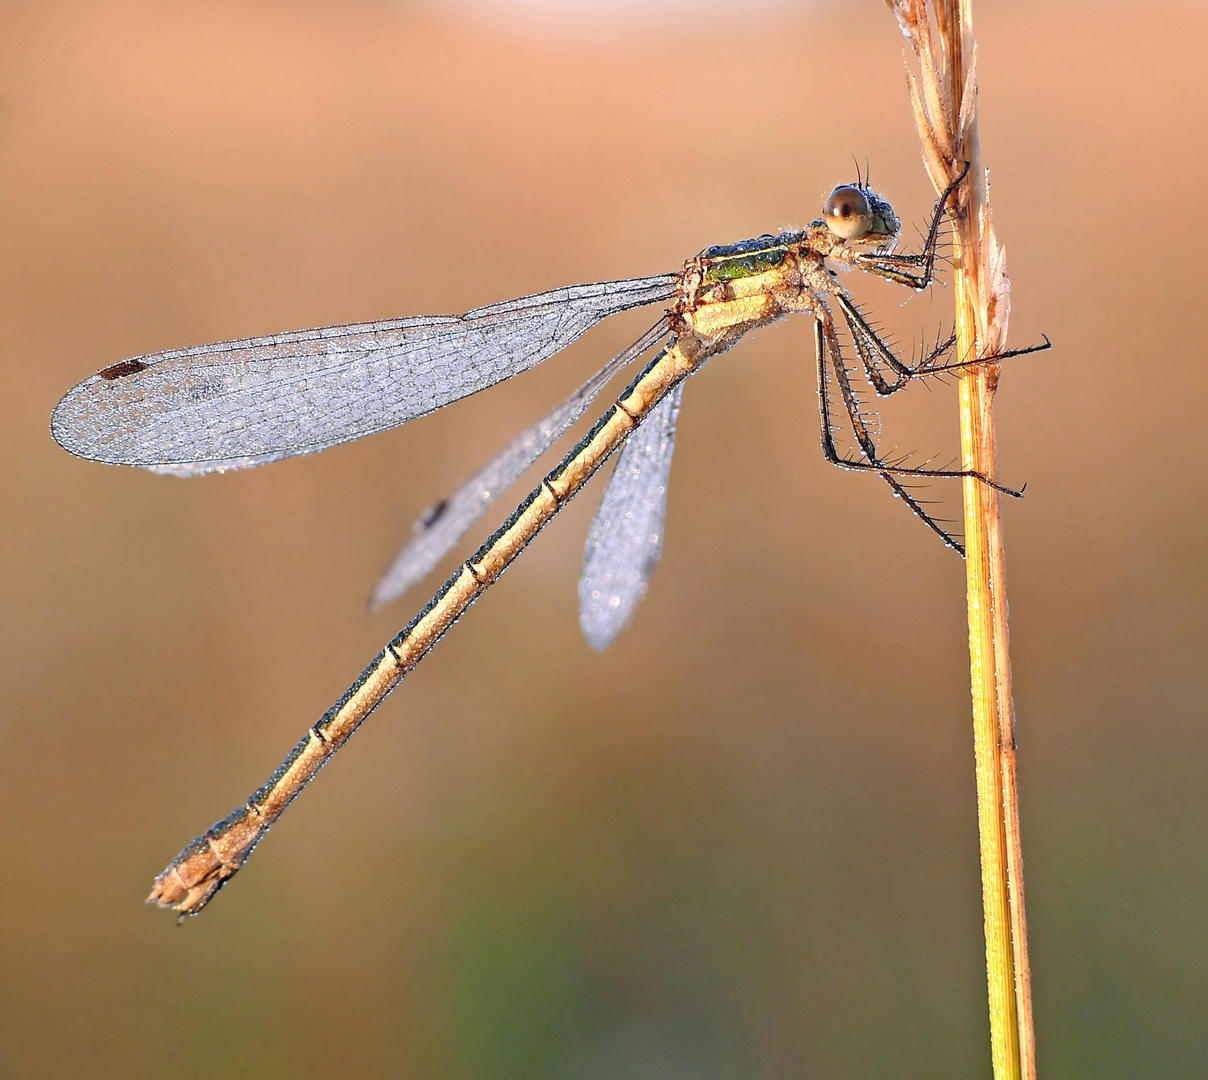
(252, 401)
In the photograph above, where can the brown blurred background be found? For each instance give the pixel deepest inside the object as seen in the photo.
(742, 842)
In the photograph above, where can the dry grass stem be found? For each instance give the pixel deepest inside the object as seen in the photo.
(944, 99)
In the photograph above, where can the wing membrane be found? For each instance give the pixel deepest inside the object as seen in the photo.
(246, 402)
(447, 522)
(626, 534)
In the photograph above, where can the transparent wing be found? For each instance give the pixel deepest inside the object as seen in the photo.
(442, 526)
(247, 402)
(627, 532)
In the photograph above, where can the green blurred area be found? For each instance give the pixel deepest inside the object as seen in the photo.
(742, 842)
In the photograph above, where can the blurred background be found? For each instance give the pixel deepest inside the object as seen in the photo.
(742, 842)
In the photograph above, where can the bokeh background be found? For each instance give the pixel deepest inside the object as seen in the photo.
(742, 842)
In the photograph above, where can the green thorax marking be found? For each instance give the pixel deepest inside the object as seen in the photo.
(747, 258)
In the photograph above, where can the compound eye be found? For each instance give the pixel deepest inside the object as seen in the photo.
(847, 213)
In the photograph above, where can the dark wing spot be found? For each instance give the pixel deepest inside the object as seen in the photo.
(120, 371)
(432, 515)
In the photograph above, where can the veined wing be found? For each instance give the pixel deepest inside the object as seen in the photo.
(626, 534)
(246, 402)
(442, 526)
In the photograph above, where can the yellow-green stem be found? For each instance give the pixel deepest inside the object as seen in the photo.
(981, 509)
(944, 98)
(1008, 978)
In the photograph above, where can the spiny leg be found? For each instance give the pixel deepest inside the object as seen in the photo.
(923, 516)
(851, 405)
(897, 267)
(993, 358)
(829, 339)
(831, 452)
(826, 340)
(870, 348)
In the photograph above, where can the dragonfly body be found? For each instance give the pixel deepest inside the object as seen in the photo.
(244, 403)
(708, 317)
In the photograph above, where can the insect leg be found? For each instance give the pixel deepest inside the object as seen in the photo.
(824, 336)
(897, 267)
(871, 348)
(825, 339)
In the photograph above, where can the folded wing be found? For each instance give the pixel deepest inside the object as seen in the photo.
(626, 534)
(442, 526)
